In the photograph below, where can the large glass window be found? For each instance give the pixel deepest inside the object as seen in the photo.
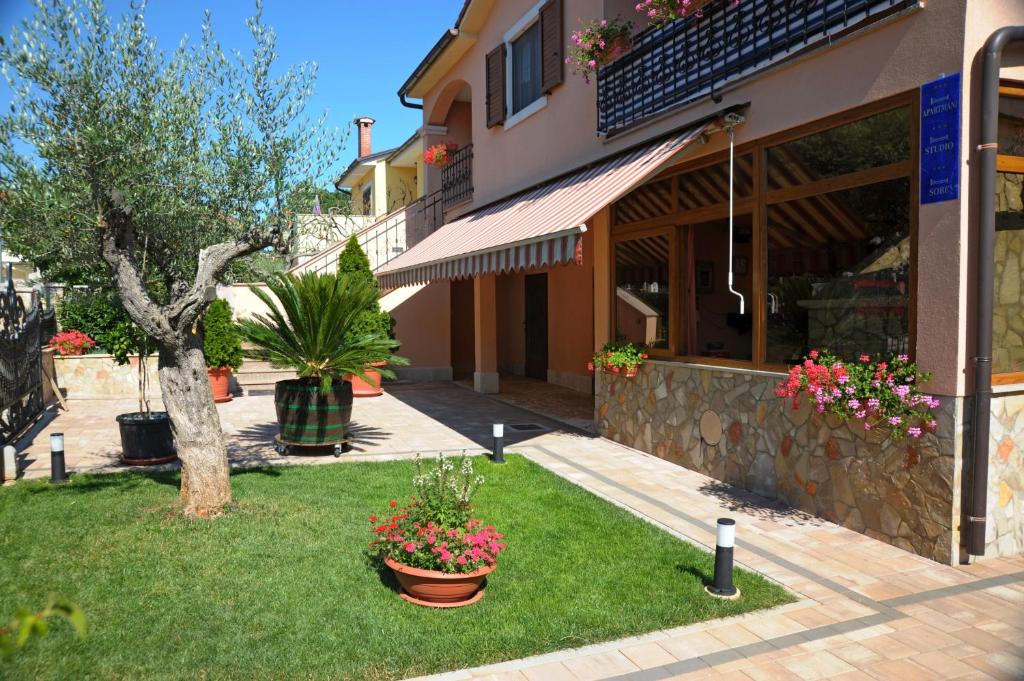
(839, 273)
(526, 68)
(642, 290)
(1008, 310)
(713, 323)
(867, 143)
(816, 265)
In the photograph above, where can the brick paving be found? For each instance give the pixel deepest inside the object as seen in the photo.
(866, 610)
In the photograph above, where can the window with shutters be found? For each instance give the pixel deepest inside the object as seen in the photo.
(525, 75)
(531, 61)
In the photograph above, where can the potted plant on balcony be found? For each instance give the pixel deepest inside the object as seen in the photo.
(599, 43)
(439, 554)
(662, 12)
(439, 155)
(370, 321)
(146, 437)
(304, 329)
(222, 348)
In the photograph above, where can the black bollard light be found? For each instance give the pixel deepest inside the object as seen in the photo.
(725, 540)
(57, 473)
(498, 453)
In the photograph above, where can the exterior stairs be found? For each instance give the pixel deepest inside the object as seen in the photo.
(258, 378)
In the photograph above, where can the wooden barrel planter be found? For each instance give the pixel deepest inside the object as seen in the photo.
(146, 439)
(310, 417)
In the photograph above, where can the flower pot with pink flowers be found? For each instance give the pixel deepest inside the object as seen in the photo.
(440, 555)
(880, 395)
(599, 43)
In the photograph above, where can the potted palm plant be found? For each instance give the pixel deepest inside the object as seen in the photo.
(304, 329)
(146, 437)
(222, 347)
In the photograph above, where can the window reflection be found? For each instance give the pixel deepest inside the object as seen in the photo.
(838, 273)
(642, 286)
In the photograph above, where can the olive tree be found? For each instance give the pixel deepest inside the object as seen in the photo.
(156, 168)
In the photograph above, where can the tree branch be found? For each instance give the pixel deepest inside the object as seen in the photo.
(186, 307)
(118, 249)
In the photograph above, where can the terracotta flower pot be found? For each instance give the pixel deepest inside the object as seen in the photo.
(362, 388)
(439, 589)
(620, 45)
(220, 383)
(631, 372)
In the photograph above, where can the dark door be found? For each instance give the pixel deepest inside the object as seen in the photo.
(537, 326)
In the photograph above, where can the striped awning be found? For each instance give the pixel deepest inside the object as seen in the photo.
(538, 227)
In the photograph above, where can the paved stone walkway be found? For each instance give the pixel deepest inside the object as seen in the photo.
(867, 610)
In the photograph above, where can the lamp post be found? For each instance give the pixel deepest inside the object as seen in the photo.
(58, 475)
(725, 540)
(498, 453)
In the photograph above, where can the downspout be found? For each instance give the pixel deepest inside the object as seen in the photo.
(987, 151)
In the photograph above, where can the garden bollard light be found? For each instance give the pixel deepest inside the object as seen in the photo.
(498, 453)
(725, 540)
(9, 465)
(57, 473)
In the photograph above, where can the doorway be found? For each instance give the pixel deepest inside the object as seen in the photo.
(536, 323)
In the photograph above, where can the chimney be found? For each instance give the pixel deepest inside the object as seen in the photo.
(364, 123)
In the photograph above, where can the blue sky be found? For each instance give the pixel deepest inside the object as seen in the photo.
(339, 35)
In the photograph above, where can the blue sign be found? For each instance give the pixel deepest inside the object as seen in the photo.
(940, 140)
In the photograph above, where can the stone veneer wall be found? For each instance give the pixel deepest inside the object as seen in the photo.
(1004, 534)
(903, 493)
(99, 376)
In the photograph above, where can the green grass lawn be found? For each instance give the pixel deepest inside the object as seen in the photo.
(282, 587)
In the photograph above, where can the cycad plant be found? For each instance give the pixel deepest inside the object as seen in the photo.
(305, 327)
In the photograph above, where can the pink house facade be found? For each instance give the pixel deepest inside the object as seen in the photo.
(577, 212)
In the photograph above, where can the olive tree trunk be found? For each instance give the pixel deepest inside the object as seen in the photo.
(205, 473)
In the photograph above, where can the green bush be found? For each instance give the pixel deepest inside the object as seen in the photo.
(373, 320)
(96, 313)
(222, 343)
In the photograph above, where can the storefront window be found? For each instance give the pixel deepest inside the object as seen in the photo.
(1008, 310)
(867, 143)
(819, 264)
(839, 273)
(642, 290)
(714, 326)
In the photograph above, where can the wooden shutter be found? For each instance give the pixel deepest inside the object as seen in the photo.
(551, 46)
(496, 86)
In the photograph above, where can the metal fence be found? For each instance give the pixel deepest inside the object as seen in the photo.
(21, 369)
(457, 177)
(691, 58)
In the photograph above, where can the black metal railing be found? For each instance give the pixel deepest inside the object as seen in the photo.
(691, 58)
(21, 370)
(457, 177)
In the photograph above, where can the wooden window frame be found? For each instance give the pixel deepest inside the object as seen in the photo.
(672, 232)
(757, 206)
(1009, 164)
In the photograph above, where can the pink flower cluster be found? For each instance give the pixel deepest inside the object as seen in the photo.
(876, 393)
(431, 546)
(661, 12)
(598, 43)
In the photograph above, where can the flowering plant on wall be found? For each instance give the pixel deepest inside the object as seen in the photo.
(72, 342)
(439, 155)
(619, 357)
(661, 12)
(599, 43)
(877, 393)
(434, 530)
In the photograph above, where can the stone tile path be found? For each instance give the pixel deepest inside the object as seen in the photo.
(867, 610)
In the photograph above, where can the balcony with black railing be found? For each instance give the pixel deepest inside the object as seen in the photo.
(457, 177)
(691, 58)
